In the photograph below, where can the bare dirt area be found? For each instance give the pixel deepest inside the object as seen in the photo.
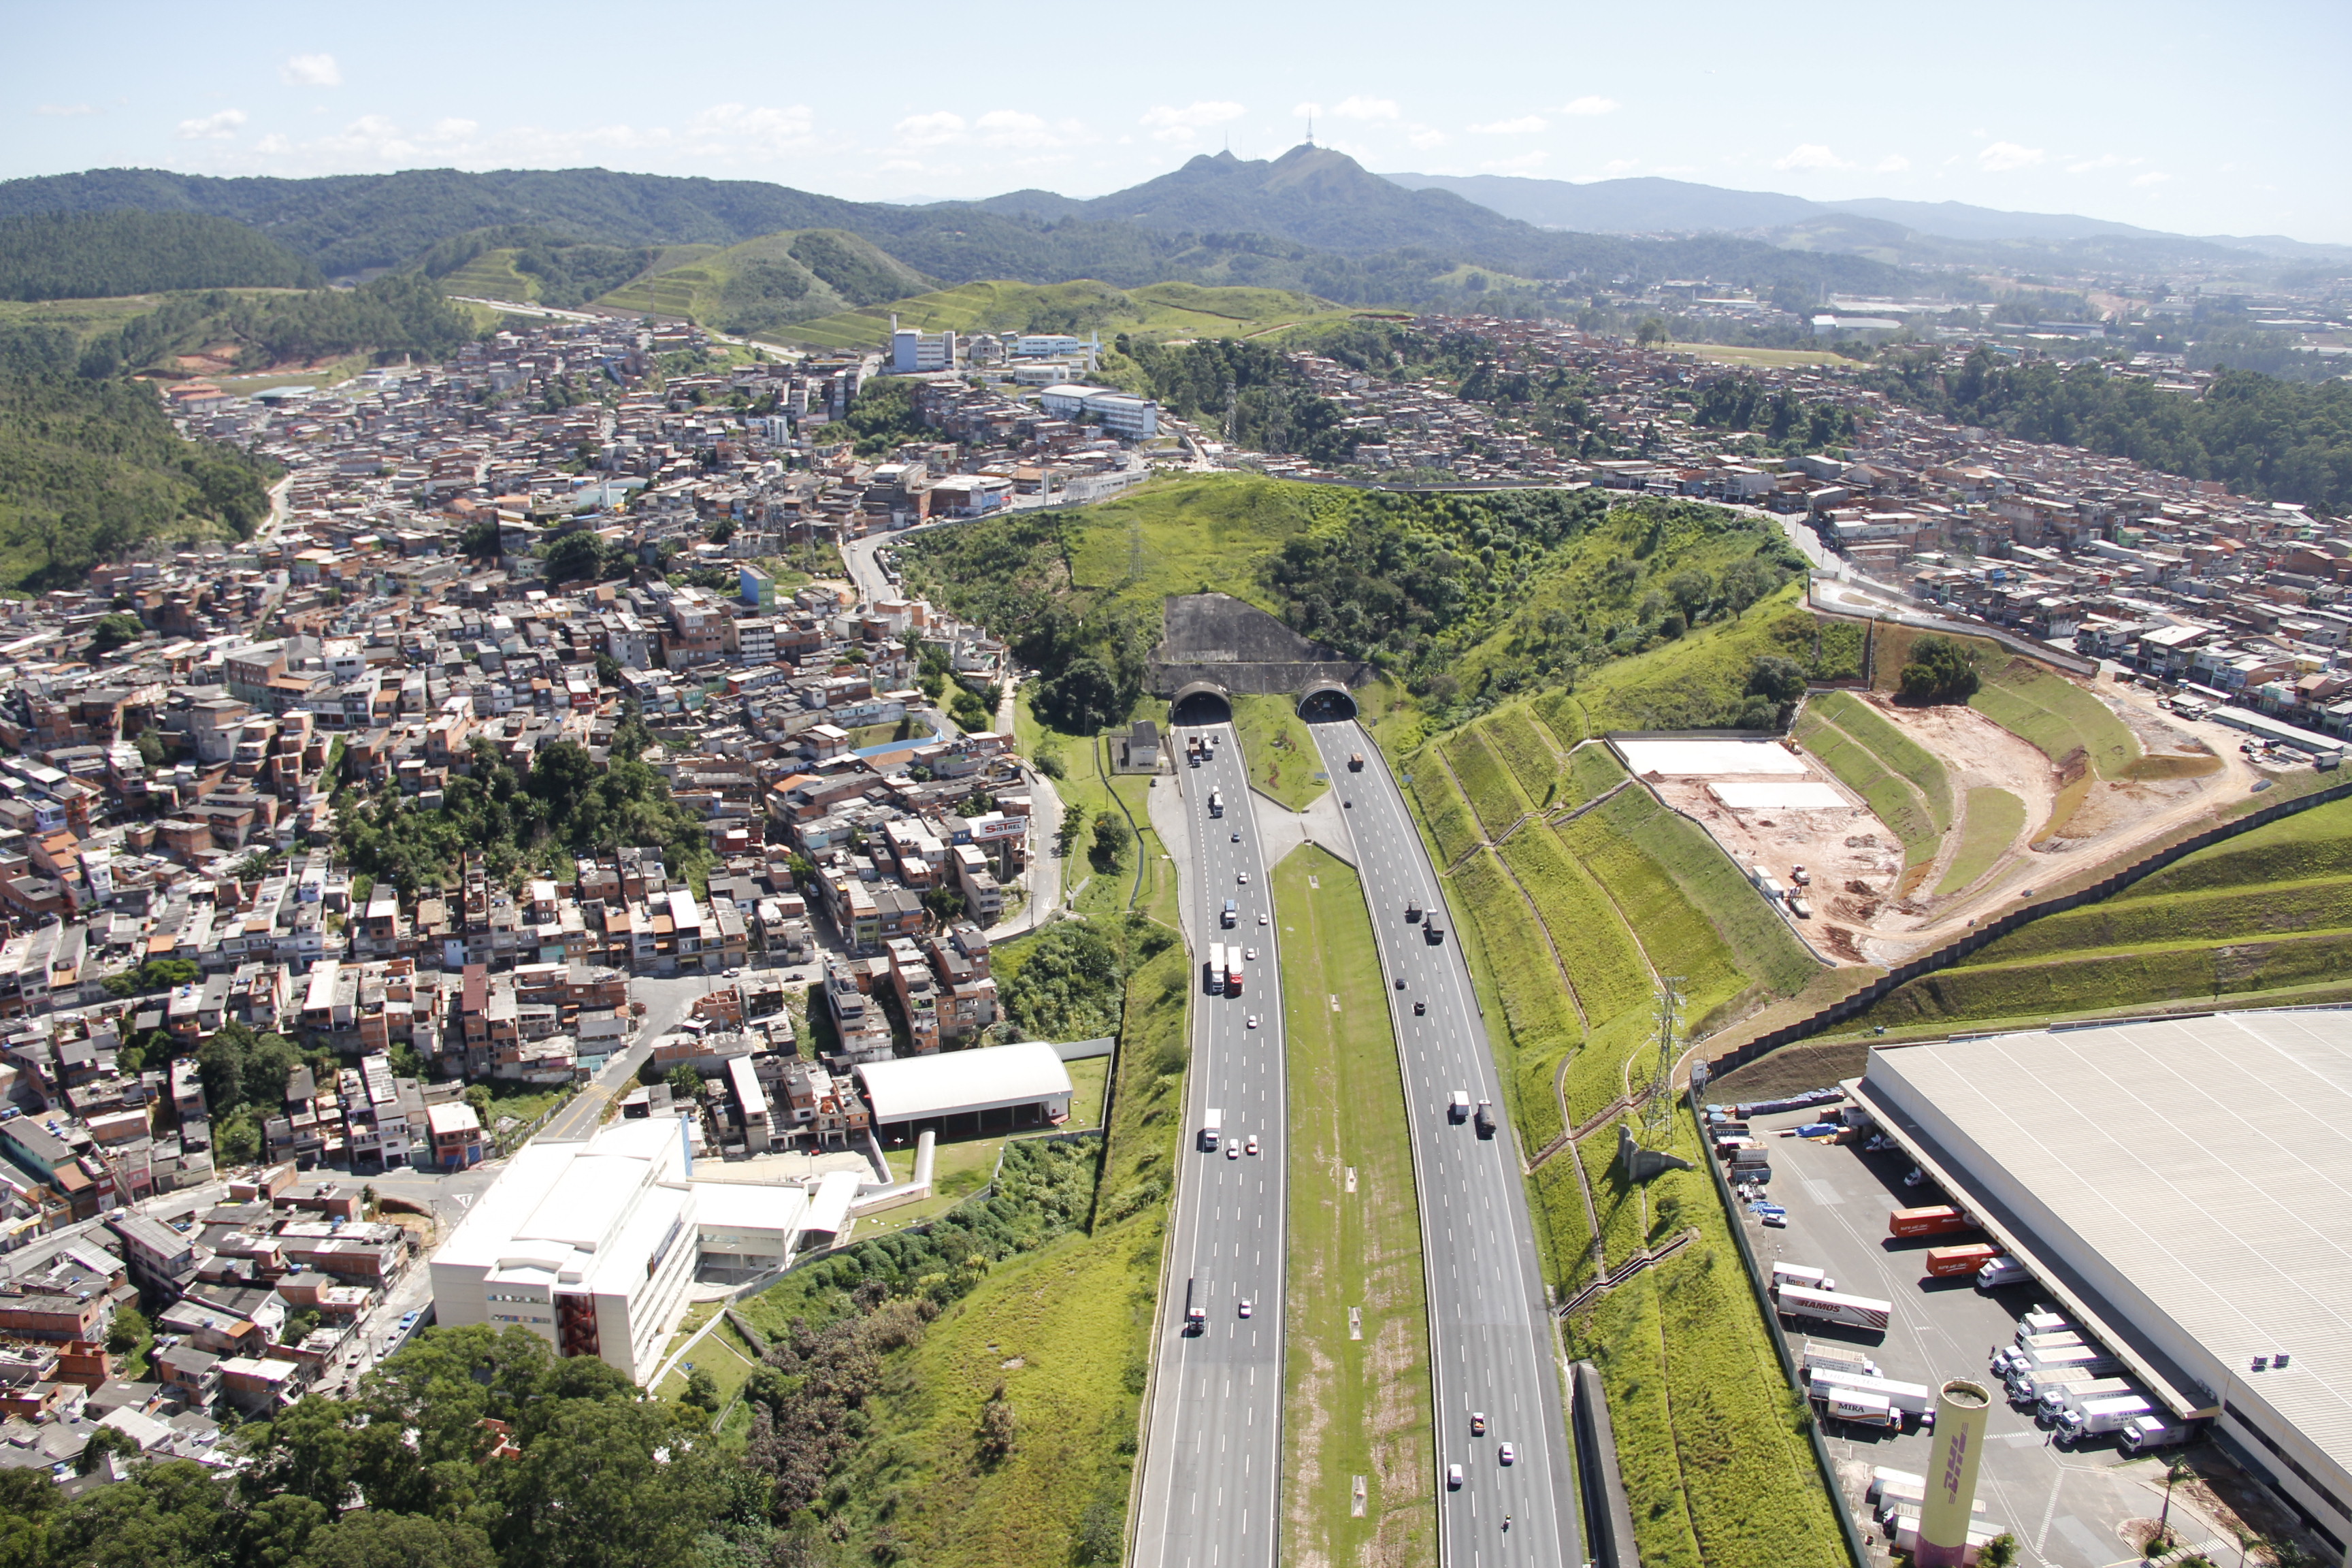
(1976, 754)
(1841, 847)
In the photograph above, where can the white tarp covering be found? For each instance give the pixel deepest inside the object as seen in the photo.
(1806, 795)
(1709, 759)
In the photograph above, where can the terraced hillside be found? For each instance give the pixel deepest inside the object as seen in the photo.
(1594, 890)
(2264, 917)
(762, 286)
(1155, 311)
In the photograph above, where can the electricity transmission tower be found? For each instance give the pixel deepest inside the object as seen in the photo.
(1658, 1108)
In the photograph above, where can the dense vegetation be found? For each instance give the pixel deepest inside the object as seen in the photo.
(1067, 983)
(1938, 670)
(564, 272)
(391, 316)
(512, 815)
(90, 467)
(1248, 389)
(882, 417)
(2262, 436)
(88, 255)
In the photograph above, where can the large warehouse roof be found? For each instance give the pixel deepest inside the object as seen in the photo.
(957, 1083)
(2193, 1169)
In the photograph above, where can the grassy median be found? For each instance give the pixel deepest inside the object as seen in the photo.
(1355, 1407)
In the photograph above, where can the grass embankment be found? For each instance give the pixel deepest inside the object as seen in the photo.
(1995, 817)
(1695, 680)
(2264, 917)
(1088, 788)
(1352, 1407)
(1906, 788)
(1064, 1329)
(1717, 1469)
(1613, 896)
(2056, 716)
(1283, 761)
(1155, 311)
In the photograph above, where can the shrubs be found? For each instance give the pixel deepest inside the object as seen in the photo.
(1939, 670)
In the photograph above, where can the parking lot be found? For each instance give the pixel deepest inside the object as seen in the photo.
(2068, 1508)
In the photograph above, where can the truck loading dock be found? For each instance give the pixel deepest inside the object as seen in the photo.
(2178, 1189)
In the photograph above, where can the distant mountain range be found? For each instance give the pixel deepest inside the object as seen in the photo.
(1649, 205)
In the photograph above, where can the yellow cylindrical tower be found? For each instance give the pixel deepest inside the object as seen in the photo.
(1961, 1407)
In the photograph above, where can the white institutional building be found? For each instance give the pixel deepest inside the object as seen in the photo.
(591, 1244)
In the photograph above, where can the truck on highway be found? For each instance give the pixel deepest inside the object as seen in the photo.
(1355, 762)
(1233, 970)
(1216, 802)
(1196, 1314)
(1485, 1120)
(1431, 931)
(2096, 1417)
(1829, 1307)
(1931, 1219)
(1231, 913)
(1457, 1106)
(1943, 1262)
(1212, 1123)
(1411, 911)
(1213, 978)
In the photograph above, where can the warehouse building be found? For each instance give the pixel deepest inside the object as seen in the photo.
(992, 1088)
(2180, 1187)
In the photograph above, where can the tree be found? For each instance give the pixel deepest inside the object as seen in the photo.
(998, 1426)
(129, 1331)
(1939, 670)
(112, 631)
(104, 1441)
(701, 1390)
(685, 1083)
(2000, 1552)
(397, 1541)
(478, 1095)
(240, 1067)
(1690, 591)
(480, 539)
(575, 558)
(1111, 839)
(1652, 334)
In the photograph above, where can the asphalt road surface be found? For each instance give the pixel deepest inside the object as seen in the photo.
(1212, 1480)
(1491, 1339)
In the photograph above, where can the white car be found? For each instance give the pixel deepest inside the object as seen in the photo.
(1246, 878)
(1250, 1147)
(1232, 1151)
(1260, 917)
(1246, 1306)
(1454, 1477)
(1253, 1020)
(1507, 1454)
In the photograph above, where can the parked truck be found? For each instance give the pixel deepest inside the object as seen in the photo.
(1804, 1276)
(1933, 1219)
(1829, 1307)
(1196, 1313)
(2058, 1396)
(1213, 1123)
(1485, 1120)
(1861, 1409)
(2155, 1432)
(2040, 1321)
(2062, 1366)
(1832, 1357)
(1943, 1262)
(2002, 1272)
(2097, 1417)
(1910, 1398)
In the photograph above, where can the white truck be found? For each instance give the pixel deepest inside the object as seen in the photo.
(1829, 1307)
(2002, 1272)
(1457, 1106)
(1216, 802)
(2154, 1432)
(1803, 1276)
(2096, 1417)
(2081, 1360)
(2019, 1356)
(1215, 983)
(2057, 1395)
(1820, 1357)
(1860, 1409)
(2039, 1321)
(1882, 1478)
(1911, 1398)
(1213, 1123)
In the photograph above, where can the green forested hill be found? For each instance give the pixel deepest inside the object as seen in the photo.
(90, 255)
(88, 467)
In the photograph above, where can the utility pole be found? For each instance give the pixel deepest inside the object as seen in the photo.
(1658, 1110)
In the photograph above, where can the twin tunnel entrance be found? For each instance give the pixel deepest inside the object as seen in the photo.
(1206, 702)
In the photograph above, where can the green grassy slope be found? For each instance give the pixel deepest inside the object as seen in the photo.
(2270, 911)
(762, 287)
(1156, 310)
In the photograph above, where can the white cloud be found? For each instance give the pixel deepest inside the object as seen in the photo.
(1426, 136)
(934, 130)
(2091, 166)
(1811, 156)
(1525, 125)
(725, 128)
(1589, 105)
(1616, 167)
(1018, 129)
(453, 130)
(1368, 109)
(311, 70)
(217, 127)
(62, 110)
(1181, 126)
(1893, 163)
(2151, 178)
(2003, 156)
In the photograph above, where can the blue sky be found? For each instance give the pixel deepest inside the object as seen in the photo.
(2194, 118)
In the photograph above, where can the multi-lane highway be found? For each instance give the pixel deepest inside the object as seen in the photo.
(1211, 1477)
(1491, 1342)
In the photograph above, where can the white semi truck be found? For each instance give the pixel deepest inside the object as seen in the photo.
(1829, 1307)
(2096, 1417)
(1213, 1123)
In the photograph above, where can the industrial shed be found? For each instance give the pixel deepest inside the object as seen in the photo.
(992, 1087)
(2180, 1186)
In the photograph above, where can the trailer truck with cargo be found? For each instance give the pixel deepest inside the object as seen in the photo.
(1233, 970)
(1213, 1123)
(1929, 1219)
(2096, 1417)
(1914, 1399)
(2057, 1397)
(1213, 976)
(1216, 802)
(1829, 1307)
(1196, 1314)
(1946, 1262)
